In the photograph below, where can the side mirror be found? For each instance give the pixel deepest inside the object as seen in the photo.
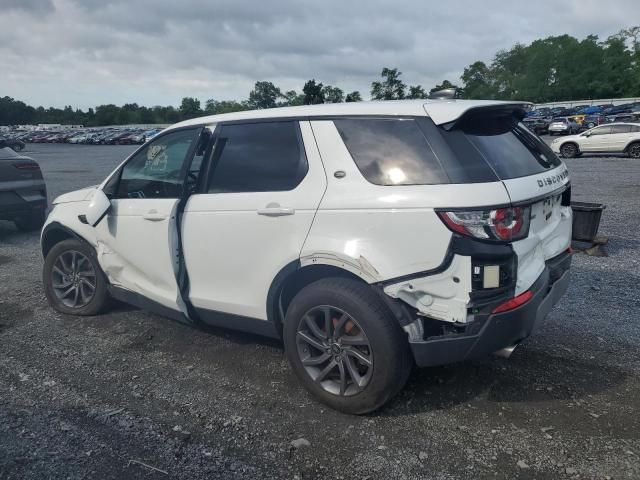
(98, 207)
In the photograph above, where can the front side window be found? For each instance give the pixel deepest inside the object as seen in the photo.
(391, 151)
(157, 171)
(601, 131)
(258, 157)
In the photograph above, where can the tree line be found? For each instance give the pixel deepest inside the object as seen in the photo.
(551, 69)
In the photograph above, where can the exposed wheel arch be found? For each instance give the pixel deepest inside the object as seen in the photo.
(55, 233)
(293, 278)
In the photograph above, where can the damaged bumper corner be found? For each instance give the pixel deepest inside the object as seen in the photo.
(487, 333)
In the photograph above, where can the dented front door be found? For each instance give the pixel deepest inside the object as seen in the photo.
(136, 248)
(138, 242)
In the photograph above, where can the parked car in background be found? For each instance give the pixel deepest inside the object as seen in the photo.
(13, 143)
(563, 125)
(391, 239)
(622, 117)
(614, 138)
(23, 193)
(591, 121)
(538, 125)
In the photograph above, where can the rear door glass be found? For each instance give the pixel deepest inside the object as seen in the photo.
(620, 128)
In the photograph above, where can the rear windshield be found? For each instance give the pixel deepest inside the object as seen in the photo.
(509, 148)
(414, 151)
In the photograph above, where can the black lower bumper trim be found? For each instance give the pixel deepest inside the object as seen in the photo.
(500, 330)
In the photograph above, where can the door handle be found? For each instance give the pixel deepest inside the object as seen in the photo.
(154, 216)
(275, 210)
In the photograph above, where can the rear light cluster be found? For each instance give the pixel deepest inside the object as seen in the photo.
(26, 166)
(497, 225)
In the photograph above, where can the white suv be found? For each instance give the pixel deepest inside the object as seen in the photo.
(613, 138)
(368, 236)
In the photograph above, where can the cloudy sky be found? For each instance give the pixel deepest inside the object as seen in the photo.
(89, 52)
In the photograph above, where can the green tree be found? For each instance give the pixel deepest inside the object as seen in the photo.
(416, 91)
(477, 81)
(332, 94)
(313, 94)
(264, 95)
(390, 88)
(215, 107)
(190, 108)
(292, 99)
(353, 97)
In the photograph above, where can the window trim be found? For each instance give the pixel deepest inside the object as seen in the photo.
(188, 159)
(218, 149)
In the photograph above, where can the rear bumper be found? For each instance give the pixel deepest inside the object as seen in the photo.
(21, 202)
(488, 333)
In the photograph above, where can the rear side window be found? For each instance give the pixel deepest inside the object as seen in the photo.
(620, 128)
(258, 157)
(391, 151)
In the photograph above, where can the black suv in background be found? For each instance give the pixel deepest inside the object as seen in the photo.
(23, 193)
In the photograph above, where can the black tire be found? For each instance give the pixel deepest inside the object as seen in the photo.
(569, 150)
(30, 222)
(100, 296)
(634, 150)
(388, 348)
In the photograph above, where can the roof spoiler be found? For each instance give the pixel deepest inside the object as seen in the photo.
(516, 110)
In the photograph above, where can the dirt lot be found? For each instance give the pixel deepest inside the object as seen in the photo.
(134, 395)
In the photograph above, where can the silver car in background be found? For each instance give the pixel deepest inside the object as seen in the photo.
(563, 125)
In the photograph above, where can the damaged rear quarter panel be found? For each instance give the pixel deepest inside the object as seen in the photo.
(443, 296)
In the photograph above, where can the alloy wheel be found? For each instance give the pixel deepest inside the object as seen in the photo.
(634, 151)
(568, 151)
(334, 350)
(73, 279)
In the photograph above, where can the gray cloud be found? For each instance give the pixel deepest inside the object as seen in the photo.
(87, 52)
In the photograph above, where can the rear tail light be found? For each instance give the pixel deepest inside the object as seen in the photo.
(26, 166)
(514, 303)
(498, 225)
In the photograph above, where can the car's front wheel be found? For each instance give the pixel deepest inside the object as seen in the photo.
(345, 346)
(73, 280)
(569, 150)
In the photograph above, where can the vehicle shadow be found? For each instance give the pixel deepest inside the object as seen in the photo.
(529, 376)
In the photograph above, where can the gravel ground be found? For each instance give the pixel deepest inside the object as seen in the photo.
(133, 395)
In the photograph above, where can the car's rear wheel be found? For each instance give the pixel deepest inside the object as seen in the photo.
(345, 346)
(30, 222)
(73, 281)
(569, 150)
(634, 150)
(591, 125)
